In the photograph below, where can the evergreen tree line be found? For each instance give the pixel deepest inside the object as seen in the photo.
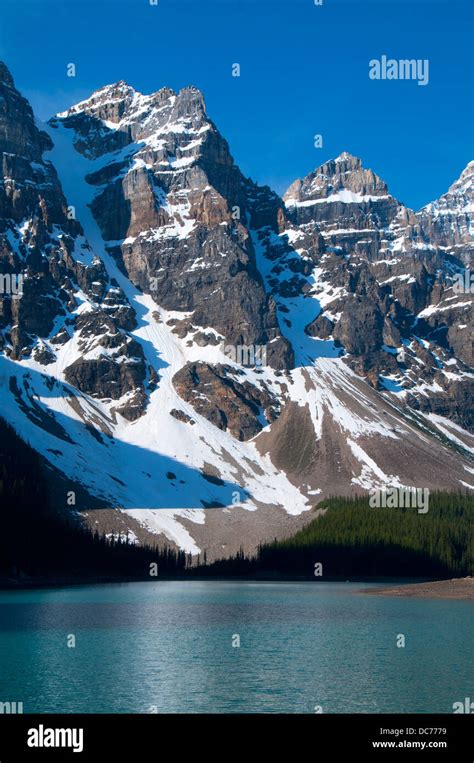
(353, 540)
(350, 539)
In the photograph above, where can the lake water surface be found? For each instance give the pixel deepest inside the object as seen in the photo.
(168, 647)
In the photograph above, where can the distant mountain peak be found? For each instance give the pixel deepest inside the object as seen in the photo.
(349, 159)
(449, 218)
(117, 92)
(343, 178)
(462, 186)
(5, 75)
(466, 175)
(117, 100)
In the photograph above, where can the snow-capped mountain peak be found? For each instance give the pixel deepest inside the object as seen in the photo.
(343, 179)
(201, 361)
(449, 219)
(104, 100)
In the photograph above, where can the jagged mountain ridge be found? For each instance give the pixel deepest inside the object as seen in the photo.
(449, 219)
(391, 302)
(178, 253)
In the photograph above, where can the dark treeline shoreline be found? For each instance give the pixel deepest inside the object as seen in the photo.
(356, 542)
(350, 541)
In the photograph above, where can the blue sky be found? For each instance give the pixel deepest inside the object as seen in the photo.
(304, 71)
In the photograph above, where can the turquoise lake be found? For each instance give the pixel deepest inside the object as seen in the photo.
(168, 647)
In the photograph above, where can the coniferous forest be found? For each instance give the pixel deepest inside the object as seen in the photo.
(349, 539)
(352, 540)
(37, 542)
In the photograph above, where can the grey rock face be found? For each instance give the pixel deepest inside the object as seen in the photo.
(40, 240)
(176, 210)
(36, 236)
(229, 403)
(448, 221)
(386, 278)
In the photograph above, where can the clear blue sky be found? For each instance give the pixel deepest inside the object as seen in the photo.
(304, 70)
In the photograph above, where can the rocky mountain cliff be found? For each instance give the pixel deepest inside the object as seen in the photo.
(385, 282)
(199, 360)
(448, 221)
